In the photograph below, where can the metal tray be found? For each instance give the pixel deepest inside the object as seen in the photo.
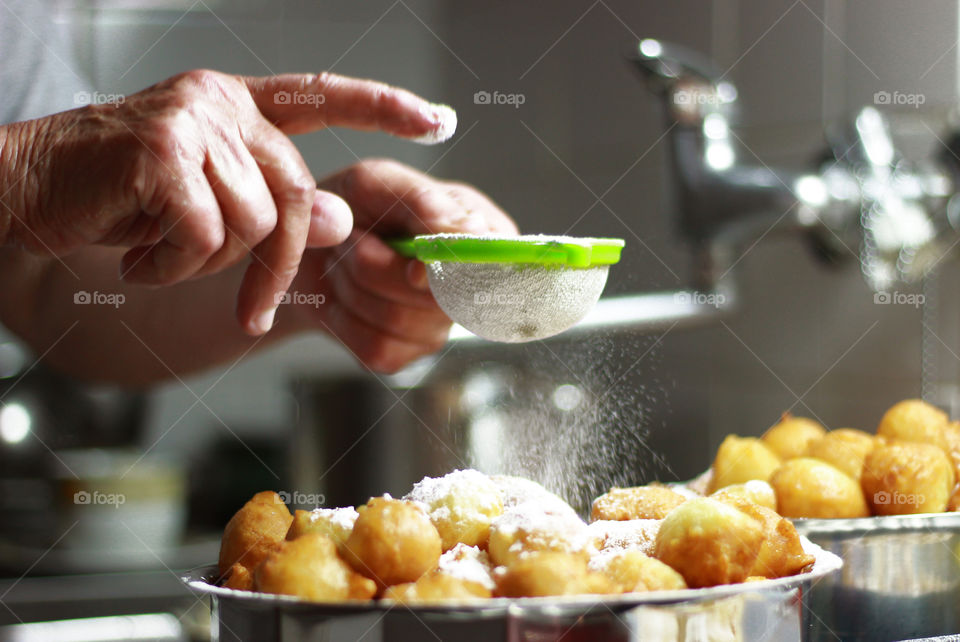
(900, 580)
(771, 610)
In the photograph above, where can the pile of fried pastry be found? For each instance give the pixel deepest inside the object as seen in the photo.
(911, 465)
(468, 536)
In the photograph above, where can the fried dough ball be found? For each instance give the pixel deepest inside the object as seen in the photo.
(335, 523)
(808, 487)
(844, 448)
(437, 588)
(781, 553)
(709, 542)
(901, 478)
(951, 435)
(520, 490)
(467, 563)
(634, 572)
(392, 542)
(954, 504)
(550, 573)
(461, 505)
(914, 420)
(309, 567)
(528, 528)
(755, 491)
(639, 502)
(239, 577)
(791, 435)
(254, 531)
(632, 534)
(740, 459)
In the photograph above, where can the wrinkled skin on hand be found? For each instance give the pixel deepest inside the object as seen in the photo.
(196, 174)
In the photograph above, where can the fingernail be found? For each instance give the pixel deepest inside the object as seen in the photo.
(444, 120)
(264, 321)
(417, 275)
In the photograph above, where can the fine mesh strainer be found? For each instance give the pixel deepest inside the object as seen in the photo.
(514, 288)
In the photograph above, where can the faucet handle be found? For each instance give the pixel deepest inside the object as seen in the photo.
(669, 61)
(691, 85)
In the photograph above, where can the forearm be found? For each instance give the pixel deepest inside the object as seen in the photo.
(85, 321)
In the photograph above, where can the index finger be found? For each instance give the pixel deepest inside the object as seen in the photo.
(299, 103)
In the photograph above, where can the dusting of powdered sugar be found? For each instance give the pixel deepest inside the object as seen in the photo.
(447, 118)
(585, 241)
(479, 495)
(467, 563)
(519, 490)
(342, 519)
(553, 529)
(633, 534)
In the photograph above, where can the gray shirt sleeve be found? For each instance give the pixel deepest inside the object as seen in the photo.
(38, 71)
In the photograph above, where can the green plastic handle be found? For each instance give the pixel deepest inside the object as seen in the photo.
(579, 253)
(404, 247)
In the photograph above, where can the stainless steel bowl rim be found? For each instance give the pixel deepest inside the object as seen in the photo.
(825, 563)
(878, 525)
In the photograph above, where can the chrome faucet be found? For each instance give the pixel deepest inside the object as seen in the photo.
(864, 200)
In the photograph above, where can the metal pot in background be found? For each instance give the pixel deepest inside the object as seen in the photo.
(43, 414)
(900, 579)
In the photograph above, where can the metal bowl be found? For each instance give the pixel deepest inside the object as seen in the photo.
(900, 580)
(771, 610)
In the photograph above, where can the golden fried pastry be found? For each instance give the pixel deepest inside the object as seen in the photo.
(254, 531)
(781, 553)
(907, 477)
(528, 528)
(628, 535)
(239, 577)
(914, 420)
(954, 504)
(550, 573)
(335, 523)
(638, 502)
(951, 435)
(808, 487)
(709, 542)
(844, 448)
(634, 572)
(392, 542)
(467, 563)
(755, 491)
(740, 459)
(309, 567)
(461, 505)
(436, 588)
(791, 435)
(520, 490)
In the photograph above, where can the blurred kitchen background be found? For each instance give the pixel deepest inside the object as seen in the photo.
(583, 154)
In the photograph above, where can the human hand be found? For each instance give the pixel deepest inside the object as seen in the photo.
(374, 301)
(195, 174)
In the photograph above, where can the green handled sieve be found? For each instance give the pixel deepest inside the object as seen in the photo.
(514, 288)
